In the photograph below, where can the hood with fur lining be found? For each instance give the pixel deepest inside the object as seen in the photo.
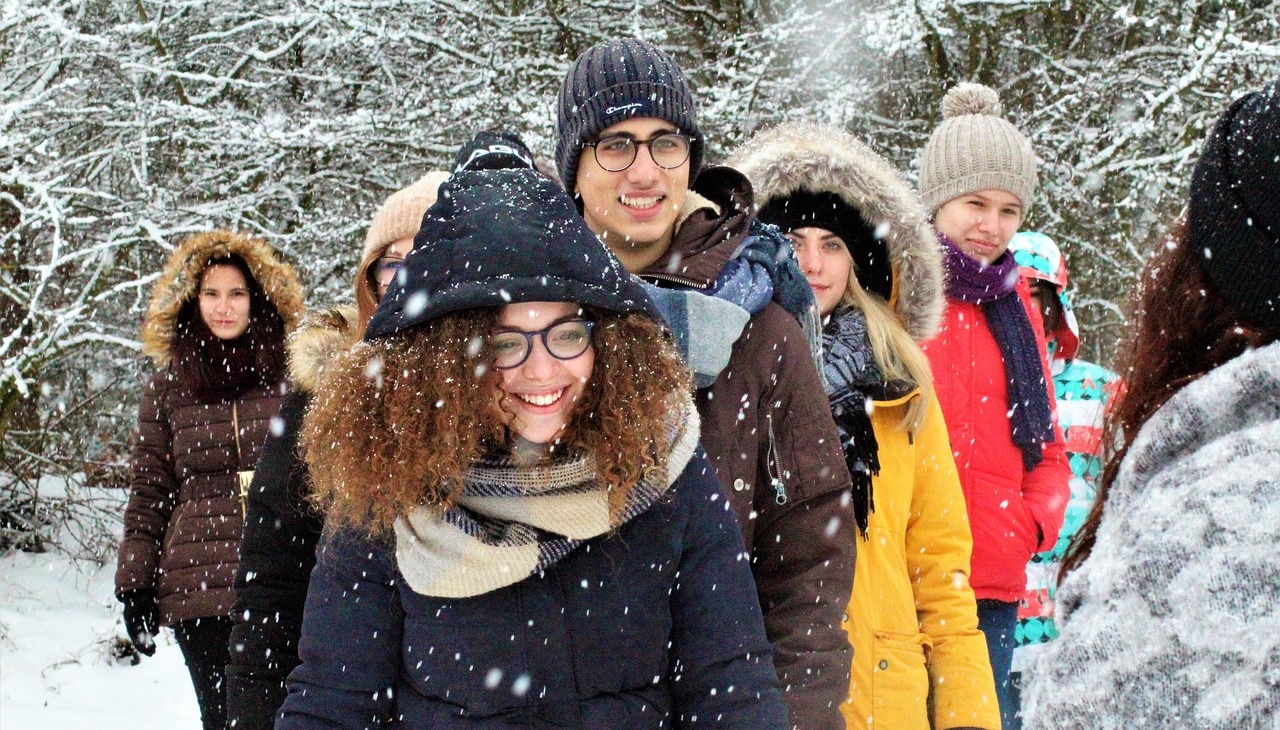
(319, 339)
(180, 281)
(819, 158)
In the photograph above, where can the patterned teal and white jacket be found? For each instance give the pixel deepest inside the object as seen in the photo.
(1082, 390)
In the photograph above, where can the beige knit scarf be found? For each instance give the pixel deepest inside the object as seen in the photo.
(512, 521)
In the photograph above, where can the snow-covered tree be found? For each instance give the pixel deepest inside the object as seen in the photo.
(126, 124)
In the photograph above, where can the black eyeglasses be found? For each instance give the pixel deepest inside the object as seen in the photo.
(617, 152)
(565, 341)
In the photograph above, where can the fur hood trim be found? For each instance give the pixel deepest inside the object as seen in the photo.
(819, 158)
(180, 280)
(319, 339)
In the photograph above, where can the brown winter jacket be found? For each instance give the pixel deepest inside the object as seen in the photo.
(767, 416)
(184, 517)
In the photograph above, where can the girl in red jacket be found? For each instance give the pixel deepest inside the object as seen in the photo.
(977, 179)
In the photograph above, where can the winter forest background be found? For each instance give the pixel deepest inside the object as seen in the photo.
(125, 124)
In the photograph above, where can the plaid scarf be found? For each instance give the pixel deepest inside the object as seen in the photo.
(512, 521)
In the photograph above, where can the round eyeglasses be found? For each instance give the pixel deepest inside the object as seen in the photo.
(565, 341)
(617, 152)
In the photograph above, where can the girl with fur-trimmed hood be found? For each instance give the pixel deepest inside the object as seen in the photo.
(215, 328)
(869, 254)
(521, 527)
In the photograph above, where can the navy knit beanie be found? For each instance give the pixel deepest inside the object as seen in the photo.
(616, 80)
(1233, 215)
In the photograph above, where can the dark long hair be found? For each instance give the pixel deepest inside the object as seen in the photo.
(1183, 329)
(256, 357)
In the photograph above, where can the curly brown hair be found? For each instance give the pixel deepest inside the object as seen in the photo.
(397, 420)
(1183, 329)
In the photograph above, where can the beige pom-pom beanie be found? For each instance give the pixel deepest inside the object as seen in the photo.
(975, 149)
(401, 214)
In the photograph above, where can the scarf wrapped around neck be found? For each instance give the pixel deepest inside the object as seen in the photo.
(515, 520)
(852, 380)
(994, 289)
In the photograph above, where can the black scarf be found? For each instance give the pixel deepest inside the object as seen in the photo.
(214, 368)
(853, 381)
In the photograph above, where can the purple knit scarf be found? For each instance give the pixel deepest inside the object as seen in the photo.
(993, 288)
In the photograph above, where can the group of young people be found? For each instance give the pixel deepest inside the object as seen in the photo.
(663, 444)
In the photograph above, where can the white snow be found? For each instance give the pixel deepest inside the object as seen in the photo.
(56, 621)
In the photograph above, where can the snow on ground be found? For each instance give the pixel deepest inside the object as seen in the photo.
(56, 620)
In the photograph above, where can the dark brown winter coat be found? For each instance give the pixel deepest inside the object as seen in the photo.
(766, 416)
(185, 514)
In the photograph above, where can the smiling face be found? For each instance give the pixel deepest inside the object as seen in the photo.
(224, 301)
(536, 398)
(826, 264)
(634, 210)
(981, 223)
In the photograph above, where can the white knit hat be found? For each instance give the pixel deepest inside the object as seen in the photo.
(975, 149)
(401, 215)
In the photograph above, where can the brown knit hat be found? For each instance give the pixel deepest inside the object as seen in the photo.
(975, 149)
(401, 215)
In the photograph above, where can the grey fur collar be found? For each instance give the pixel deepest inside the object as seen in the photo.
(801, 155)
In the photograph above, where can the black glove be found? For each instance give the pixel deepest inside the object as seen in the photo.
(141, 619)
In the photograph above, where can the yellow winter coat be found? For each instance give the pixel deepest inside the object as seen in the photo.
(912, 618)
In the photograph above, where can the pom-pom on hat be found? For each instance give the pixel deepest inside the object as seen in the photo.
(974, 149)
(621, 79)
(497, 237)
(1233, 215)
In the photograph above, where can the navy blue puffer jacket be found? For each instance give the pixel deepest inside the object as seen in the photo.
(654, 626)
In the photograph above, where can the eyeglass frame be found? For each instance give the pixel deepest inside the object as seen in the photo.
(636, 144)
(542, 335)
(375, 271)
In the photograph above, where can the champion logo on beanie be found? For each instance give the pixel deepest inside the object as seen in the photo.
(974, 149)
(616, 80)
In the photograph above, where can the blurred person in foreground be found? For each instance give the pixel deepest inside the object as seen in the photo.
(1170, 602)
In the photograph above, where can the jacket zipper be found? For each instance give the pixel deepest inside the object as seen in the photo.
(244, 477)
(677, 280)
(773, 465)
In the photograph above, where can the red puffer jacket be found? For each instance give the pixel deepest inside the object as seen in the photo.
(1013, 513)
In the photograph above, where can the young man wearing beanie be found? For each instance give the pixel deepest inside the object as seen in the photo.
(277, 549)
(977, 180)
(630, 152)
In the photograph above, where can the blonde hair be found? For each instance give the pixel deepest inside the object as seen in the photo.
(897, 354)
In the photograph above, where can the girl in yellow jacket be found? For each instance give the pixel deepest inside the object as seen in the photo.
(874, 264)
